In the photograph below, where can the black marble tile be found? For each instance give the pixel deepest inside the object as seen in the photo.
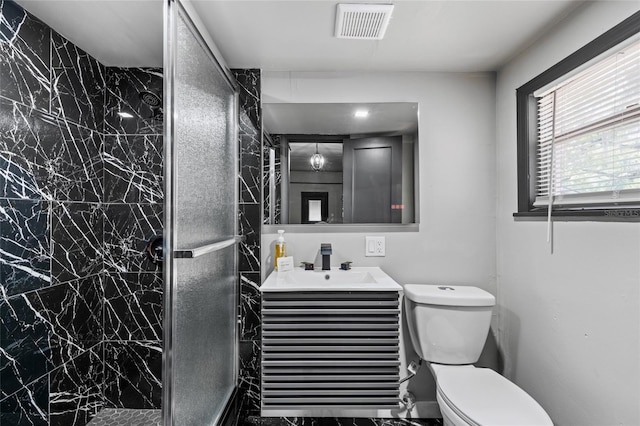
(126, 231)
(43, 157)
(75, 393)
(254, 420)
(16, 181)
(277, 211)
(249, 375)
(77, 175)
(133, 374)
(76, 241)
(249, 226)
(133, 306)
(78, 84)
(249, 81)
(24, 339)
(276, 421)
(250, 161)
(249, 419)
(250, 306)
(123, 94)
(74, 312)
(25, 246)
(24, 57)
(393, 422)
(268, 175)
(28, 407)
(276, 197)
(44, 329)
(133, 169)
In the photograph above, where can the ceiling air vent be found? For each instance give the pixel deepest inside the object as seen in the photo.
(362, 21)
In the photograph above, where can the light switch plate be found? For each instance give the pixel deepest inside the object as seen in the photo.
(374, 247)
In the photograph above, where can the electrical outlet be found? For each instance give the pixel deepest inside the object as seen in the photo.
(374, 247)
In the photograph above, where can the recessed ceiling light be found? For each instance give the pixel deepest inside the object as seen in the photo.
(125, 115)
(361, 113)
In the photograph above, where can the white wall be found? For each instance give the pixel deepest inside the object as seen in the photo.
(456, 238)
(569, 323)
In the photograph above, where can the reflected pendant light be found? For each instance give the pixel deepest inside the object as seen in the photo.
(317, 160)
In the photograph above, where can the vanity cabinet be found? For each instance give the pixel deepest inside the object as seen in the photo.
(330, 353)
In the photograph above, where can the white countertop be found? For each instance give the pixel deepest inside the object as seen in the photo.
(361, 278)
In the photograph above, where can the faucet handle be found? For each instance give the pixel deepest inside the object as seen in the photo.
(345, 266)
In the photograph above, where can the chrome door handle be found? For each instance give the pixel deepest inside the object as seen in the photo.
(207, 248)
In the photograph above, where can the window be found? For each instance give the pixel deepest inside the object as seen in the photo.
(579, 131)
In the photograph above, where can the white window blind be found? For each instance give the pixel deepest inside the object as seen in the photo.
(588, 150)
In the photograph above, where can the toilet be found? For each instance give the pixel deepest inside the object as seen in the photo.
(448, 327)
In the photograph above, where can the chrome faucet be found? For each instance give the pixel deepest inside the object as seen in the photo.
(325, 251)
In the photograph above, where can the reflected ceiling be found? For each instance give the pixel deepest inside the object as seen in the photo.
(339, 119)
(388, 118)
(301, 153)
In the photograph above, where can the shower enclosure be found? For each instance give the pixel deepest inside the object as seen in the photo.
(200, 327)
(96, 160)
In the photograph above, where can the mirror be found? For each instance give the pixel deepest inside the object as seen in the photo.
(340, 163)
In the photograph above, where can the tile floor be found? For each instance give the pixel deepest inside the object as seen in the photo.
(329, 421)
(126, 417)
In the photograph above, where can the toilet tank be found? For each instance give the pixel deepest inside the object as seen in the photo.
(448, 324)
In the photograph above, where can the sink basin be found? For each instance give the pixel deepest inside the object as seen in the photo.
(355, 279)
(325, 277)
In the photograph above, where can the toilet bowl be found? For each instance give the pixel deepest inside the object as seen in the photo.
(448, 326)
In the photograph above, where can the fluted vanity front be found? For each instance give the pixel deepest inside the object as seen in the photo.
(330, 343)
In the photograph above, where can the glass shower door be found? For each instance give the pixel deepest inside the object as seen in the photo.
(200, 225)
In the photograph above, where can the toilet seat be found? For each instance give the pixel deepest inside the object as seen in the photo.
(482, 397)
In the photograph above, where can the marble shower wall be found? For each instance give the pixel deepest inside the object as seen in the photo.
(51, 225)
(250, 222)
(80, 191)
(133, 200)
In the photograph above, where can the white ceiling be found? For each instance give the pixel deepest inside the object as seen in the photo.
(422, 35)
(426, 35)
(116, 32)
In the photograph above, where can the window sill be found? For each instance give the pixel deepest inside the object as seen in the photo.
(593, 215)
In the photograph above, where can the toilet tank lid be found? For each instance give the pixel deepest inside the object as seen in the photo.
(448, 295)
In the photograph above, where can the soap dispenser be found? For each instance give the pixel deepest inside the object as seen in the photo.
(280, 248)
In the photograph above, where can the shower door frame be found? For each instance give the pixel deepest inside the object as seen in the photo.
(171, 10)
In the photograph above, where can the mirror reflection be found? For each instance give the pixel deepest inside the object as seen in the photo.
(340, 163)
